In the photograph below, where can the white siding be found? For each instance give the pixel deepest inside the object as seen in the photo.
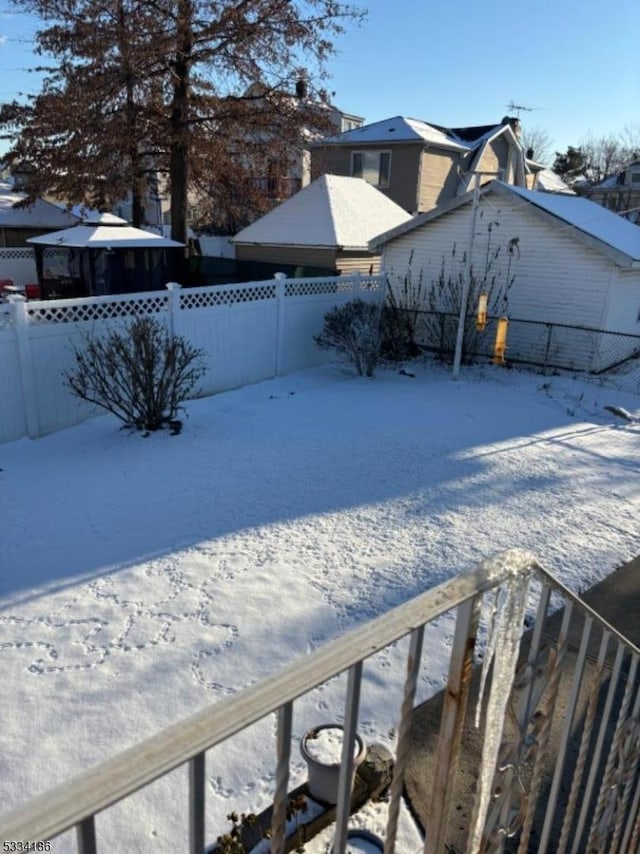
(623, 313)
(556, 279)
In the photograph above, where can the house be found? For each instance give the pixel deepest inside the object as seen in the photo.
(327, 225)
(620, 193)
(420, 165)
(543, 258)
(17, 225)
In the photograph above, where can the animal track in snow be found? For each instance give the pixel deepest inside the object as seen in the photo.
(132, 613)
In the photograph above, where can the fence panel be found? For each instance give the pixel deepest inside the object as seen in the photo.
(305, 305)
(13, 419)
(236, 326)
(249, 332)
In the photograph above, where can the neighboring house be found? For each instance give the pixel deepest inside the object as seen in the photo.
(17, 225)
(620, 193)
(542, 178)
(572, 262)
(420, 165)
(279, 184)
(327, 225)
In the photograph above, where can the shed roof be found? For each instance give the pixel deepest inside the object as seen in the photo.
(40, 214)
(333, 211)
(589, 222)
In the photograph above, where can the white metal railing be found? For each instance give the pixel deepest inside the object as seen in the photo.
(600, 811)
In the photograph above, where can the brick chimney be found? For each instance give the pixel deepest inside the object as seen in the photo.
(516, 127)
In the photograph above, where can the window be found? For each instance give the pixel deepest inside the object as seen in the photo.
(635, 177)
(373, 166)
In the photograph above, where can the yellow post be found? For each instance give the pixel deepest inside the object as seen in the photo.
(481, 319)
(500, 346)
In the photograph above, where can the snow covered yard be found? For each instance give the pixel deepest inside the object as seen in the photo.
(143, 578)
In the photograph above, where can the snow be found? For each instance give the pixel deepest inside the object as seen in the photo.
(503, 647)
(332, 211)
(397, 129)
(142, 579)
(586, 216)
(325, 745)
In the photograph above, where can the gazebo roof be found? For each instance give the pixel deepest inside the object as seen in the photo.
(105, 232)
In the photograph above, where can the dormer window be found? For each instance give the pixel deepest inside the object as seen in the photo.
(373, 166)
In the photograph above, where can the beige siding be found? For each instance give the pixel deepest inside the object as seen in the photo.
(298, 255)
(495, 156)
(403, 176)
(353, 262)
(438, 178)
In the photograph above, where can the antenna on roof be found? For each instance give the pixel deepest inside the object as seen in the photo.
(519, 108)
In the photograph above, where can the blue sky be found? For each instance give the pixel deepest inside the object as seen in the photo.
(574, 61)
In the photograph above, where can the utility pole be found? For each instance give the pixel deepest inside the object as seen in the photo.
(466, 283)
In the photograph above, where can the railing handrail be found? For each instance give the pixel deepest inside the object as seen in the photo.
(53, 812)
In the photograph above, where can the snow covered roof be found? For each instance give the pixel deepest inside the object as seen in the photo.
(333, 211)
(586, 217)
(397, 129)
(40, 214)
(598, 227)
(549, 182)
(98, 236)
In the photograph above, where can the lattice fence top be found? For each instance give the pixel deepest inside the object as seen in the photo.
(204, 298)
(332, 285)
(67, 311)
(18, 252)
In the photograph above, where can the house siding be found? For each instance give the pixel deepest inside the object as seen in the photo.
(623, 309)
(438, 178)
(355, 262)
(557, 279)
(403, 175)
(495, 158)
(304, 256)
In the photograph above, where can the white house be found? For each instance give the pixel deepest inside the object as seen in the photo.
(570, 262)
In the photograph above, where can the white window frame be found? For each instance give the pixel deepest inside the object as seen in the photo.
(372, 151)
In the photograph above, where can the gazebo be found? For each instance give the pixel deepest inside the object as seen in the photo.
(102, 255)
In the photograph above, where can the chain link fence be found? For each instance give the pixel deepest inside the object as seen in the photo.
(545, 345)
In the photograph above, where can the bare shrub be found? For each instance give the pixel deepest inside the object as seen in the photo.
(353, 331)
(403, 306)
(142, 374)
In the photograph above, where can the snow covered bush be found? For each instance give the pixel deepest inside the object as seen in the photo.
(142, 374)
(353, 331)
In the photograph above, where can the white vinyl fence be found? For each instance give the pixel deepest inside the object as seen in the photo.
(249, 332)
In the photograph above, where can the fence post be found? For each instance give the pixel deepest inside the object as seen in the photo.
(174, 305)
(356, 283)
(280, 318)
(27, 380)
(548, 345)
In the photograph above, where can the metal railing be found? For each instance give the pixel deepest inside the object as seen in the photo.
(532, 342)
(568, 779)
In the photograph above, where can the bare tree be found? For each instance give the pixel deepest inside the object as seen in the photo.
(537, 144)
